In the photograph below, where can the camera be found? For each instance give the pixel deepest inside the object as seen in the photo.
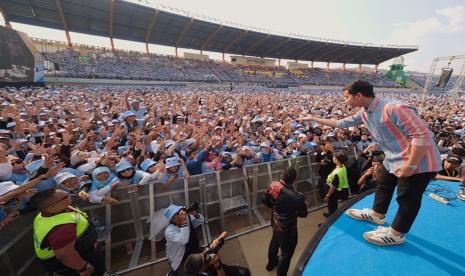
(194, 207)
(447, 137)
(214, 250)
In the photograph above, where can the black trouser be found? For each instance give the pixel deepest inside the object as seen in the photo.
(287, 242)
(96, 258)
(232, 270)
(409, 194)
(343, 194)
(332, 202)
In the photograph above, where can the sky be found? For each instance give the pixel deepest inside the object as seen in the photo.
(436, 27)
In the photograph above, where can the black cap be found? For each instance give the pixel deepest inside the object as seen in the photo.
(454, 159)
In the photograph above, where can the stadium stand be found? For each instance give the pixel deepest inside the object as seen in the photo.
(125, 65)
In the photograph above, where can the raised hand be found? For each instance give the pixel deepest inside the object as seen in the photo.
(309, 117)
(53, 171)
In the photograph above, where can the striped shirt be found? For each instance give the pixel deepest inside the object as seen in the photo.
(396, 127)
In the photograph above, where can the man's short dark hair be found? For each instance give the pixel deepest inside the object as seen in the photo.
(42, 199)
(341, 157)
(458, 151)
(289, 175)
(360, 86)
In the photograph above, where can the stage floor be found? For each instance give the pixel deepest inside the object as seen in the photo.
(434, 246)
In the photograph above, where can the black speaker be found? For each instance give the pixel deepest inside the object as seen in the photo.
(56, 66)
(444, 78)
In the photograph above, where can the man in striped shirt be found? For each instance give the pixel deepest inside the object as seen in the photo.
(412, 159)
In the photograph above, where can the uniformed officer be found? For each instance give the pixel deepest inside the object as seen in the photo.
(64, 240)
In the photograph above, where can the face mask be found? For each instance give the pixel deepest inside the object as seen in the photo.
(5, 171)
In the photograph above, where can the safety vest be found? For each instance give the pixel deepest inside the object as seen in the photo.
(342, 174)
(43, 225)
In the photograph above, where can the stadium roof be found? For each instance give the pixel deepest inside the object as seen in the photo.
(129, 21)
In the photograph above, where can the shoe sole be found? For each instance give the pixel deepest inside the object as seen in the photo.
(360, 218)
(378, 243)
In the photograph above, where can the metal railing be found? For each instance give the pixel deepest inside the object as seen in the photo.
(229, 200)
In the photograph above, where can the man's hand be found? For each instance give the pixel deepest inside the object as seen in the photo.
(53, 171)
(404, 171)
(369, 171)
(83, 195)
(109, 200)
(215, 261)
(183, 217)
(9, 219)
(309, 117)
(326, 199)
(88, 271)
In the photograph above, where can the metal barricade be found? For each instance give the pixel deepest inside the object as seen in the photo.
(229, 200)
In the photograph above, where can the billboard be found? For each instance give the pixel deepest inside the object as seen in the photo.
(19, 59)
(240, 60)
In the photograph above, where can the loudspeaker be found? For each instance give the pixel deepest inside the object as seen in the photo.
(56, 66)
(444, 78)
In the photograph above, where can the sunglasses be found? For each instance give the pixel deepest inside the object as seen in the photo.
(126, 170)
(17, 161)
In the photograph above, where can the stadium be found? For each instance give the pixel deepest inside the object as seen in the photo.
(209, 137)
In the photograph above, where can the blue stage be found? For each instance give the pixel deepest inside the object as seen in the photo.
(434, 246)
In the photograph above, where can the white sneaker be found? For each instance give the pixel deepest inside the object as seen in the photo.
(365, 214)
(383, 236)
(461, 194)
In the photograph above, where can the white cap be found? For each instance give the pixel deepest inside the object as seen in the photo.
(7, 186)
(172, 162)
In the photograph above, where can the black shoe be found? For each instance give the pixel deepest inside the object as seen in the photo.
(271, 266)
(326, 215)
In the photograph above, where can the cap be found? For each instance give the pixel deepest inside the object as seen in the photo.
(265, 144)
(31, 167)
(172, 162)
(7, 186)
(169, 143)
(454, 159)
(190, 141)
(374, 153)
(128, 114)
(146, 164)
(171, 211)
(290, 140)
(61, 177)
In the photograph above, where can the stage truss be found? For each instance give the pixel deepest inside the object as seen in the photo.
(438, 64)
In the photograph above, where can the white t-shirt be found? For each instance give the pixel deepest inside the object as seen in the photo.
(176, 240)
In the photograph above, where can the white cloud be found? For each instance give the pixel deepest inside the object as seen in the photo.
(455, 16)
(446, 20)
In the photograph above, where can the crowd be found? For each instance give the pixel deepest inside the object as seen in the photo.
(90, 140)
(140, 66)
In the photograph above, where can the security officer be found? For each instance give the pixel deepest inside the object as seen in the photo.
(64, 240)
(338, 183)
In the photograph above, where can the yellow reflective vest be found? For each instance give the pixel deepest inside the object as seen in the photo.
(342, 175)
(43, 225)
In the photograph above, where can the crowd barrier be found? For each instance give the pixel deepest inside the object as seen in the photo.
(229, 200)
